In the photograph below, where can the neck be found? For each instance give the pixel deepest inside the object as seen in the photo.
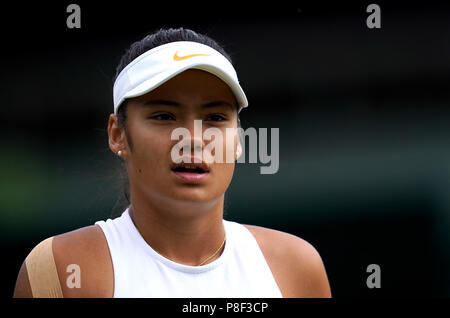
(184, 232)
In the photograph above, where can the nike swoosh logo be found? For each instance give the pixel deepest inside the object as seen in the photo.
(180, 58)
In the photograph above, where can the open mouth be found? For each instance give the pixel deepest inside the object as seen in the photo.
(190, 172)
(189, 169)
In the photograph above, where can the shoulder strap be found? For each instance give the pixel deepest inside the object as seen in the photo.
(42, 274)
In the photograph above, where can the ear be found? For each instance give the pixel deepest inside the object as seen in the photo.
(116, 136)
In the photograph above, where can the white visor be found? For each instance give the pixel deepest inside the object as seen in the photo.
(158, 65)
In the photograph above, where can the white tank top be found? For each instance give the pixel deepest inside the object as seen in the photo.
(139, 271)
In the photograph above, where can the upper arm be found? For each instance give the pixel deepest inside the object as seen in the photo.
(22, 288)
(311, 276)
(295, 264)
(83, 254)
(37, 276)
(85, 247)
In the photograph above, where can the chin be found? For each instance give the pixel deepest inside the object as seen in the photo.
(194, 195)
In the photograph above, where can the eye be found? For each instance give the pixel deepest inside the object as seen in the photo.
(216, 117)
(163, 117)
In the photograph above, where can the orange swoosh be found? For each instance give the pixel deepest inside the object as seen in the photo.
(180, 58)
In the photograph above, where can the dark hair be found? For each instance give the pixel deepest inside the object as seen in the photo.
(160, 37)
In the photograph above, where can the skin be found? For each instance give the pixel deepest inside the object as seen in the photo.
(181, 221)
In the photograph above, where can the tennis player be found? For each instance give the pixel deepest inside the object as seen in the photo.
(172, 240)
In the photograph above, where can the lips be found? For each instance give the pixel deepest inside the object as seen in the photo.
(190, 171)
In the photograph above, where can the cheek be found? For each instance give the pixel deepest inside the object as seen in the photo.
(229, 145)
(224, 170)
(223, 173)
(220, 145)
(149, 156)
(226, 167)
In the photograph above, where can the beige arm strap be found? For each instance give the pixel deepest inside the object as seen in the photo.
(42, 274)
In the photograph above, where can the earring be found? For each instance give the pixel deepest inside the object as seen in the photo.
(119, 153)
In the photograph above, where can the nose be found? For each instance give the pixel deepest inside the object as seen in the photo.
(194, 143)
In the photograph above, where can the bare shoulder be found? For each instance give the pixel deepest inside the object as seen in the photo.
(296, 265)
(80, 256)
(83, 254)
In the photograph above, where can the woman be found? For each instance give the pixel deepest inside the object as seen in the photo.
(172, 240)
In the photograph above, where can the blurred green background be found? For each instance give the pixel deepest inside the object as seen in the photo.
(364, 121)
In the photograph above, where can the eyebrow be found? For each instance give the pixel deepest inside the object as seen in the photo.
(175, 104)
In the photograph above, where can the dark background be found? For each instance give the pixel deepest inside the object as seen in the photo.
(363, 114)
